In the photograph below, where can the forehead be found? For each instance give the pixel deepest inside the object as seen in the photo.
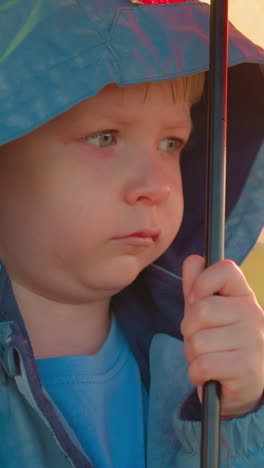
(150, 94)
(164, 99)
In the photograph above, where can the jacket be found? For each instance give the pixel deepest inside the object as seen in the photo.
(54, 45)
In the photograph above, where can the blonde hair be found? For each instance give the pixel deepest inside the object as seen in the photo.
(192, 86)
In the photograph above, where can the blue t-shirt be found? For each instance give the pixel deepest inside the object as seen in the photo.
(103, 400)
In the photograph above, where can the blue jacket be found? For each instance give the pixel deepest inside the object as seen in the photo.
(102, 40)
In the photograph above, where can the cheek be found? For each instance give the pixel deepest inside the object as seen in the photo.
(172, 214)
(176, 207)
(175, 218)
(180, 201)
(50, 214)
(79, 221)
(176, 204)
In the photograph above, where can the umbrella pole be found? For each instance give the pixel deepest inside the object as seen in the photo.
(215, 203)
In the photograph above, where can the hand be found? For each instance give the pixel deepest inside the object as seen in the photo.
(223, 333)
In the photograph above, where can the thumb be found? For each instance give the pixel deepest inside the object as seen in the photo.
(200, 393)
(192, 268)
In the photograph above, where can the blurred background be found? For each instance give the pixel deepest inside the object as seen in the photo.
(253, 267)
(248, 17)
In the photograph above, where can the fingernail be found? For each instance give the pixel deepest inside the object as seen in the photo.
(191, 299)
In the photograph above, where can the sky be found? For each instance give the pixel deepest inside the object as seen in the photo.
(248, 17)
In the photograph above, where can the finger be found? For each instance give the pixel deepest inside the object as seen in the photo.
(192, 268)
(235, 402)
(213, 340)
(220, 366)
(224, 278)
(236, 371)
(212, 312)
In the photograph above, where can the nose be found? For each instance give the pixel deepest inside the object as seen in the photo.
(148, 185)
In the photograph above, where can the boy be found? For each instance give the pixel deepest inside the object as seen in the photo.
(90, 197)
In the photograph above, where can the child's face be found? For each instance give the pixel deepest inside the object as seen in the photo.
(107, 168)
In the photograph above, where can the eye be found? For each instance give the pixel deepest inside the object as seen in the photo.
(102, 139)
(171, 144)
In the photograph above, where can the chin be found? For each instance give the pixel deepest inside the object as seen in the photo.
(121, 274)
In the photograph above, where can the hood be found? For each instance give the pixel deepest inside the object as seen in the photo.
(56, 53)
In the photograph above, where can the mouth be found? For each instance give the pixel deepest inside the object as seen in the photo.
(144, 237)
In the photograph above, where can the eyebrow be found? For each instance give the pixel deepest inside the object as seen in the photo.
(181, 124)
(120, 118)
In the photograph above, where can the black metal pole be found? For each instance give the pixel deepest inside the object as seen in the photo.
(215, 204)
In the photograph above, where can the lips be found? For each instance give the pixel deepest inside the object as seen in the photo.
(151, 233)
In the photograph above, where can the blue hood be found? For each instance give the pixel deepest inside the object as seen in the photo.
(56, 53)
